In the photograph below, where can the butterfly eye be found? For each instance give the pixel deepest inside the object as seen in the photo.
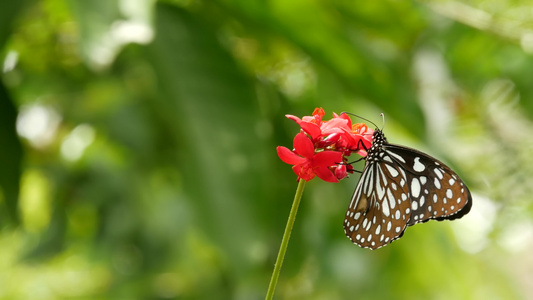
(400, 187)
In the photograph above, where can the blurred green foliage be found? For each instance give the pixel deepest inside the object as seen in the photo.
(138, 146)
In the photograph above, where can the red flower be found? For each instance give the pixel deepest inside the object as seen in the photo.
(322, 147)
(307, 163)
(316, 128)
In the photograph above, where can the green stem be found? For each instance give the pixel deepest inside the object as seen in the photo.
(285, 240)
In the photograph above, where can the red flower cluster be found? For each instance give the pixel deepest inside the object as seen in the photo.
(321, 148)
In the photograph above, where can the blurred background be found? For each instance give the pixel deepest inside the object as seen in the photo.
(137, 142)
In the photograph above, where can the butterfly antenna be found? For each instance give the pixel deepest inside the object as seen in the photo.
(383, 124)
(344, 112)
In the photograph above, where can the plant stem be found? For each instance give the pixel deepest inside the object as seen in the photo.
(285, 240)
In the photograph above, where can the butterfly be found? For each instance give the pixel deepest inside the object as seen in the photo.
(399, 187)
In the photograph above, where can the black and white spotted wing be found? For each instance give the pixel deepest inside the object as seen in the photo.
(400, 187)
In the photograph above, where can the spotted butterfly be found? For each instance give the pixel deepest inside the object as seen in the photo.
(400, 187)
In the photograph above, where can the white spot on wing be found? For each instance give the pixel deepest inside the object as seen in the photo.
(383, 177)
(386, 210)
(437, 183)
(415, 187)
(380, 190)
(402, 182)
(418, 166)
(392, 171)
(449, 193)
(369, 181)
(392, 201)
(396, 156)
(414, 205)
(439, 173)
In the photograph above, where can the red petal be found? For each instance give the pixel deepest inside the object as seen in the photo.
(312, 129)
(294, 118)
(326, 174)
(327, 158)
(346, 117)
(303, 145)
(332, 138)
(350, 140)
(289, 157)
(334, 125)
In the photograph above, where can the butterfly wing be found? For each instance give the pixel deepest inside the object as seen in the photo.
(400, 187)
(436, 192)
(380, 208)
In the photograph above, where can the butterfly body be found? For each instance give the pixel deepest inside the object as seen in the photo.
(400, 187)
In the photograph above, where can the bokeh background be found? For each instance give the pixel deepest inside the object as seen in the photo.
(137, 146)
